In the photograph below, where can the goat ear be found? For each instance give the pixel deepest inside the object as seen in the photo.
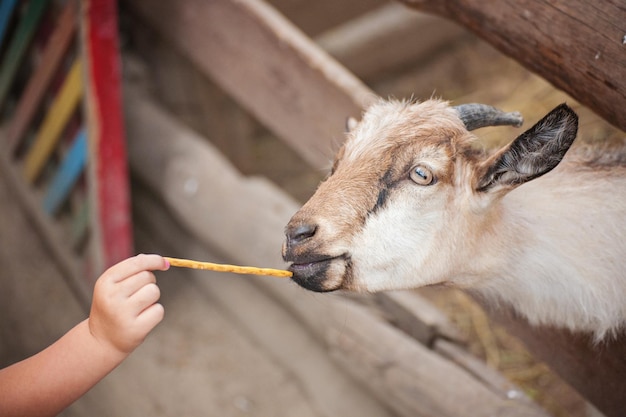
(534, 153)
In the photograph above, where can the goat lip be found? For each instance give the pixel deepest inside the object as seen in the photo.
(312, 274)
(306, 268)
(312, 262)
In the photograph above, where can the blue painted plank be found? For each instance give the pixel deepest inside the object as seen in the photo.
(66, 176)
(6, 11)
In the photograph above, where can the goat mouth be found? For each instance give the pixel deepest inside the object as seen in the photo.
(313, 274)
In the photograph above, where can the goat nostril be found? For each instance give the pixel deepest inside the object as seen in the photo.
(302, 232)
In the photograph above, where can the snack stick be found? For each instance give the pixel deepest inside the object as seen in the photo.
(187, 263)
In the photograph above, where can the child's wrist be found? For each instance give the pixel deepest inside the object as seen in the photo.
(105, 347)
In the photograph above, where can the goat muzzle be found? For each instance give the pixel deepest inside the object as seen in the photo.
(310, 265)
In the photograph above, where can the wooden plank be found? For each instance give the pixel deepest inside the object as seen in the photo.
(111, 228)
(19, 44)
(62, 108)
(417, 317)
(6, 12)
(296, 89)
(246, 220)
(55, 49)
(416, 381)
(66, 176)
(597, 371)
(479, 369)
(577, 45)
(388, 38)
(316, 17)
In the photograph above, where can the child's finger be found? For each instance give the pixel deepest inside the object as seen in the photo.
(134, 283)
(150, 317)
(132, 266)
(145, 297)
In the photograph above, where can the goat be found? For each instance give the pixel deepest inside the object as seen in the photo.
(411, 201)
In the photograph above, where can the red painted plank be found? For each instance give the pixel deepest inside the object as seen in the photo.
(39, 83)
(108, 171)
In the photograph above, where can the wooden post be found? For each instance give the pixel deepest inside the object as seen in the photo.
(111, 228)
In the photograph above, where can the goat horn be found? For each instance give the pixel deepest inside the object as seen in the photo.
(476, 115)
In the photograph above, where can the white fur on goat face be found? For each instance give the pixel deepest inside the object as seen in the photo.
(396, 248)
(374, 223)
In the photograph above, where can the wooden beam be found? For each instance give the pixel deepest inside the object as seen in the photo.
(387, 39)
(268, 65)
(415, 381)
(432, 324)
(318, 16)
(597, 371)
(577, 45)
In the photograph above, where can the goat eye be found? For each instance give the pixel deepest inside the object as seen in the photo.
(421, 175)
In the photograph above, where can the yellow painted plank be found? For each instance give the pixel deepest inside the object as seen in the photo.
(57, 117)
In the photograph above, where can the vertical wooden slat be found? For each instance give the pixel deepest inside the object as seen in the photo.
(66, 176)
(62, 108)
(110, 231)
(19, 44)
(55, 49)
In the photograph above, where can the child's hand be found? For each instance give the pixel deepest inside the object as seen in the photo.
(124, 307)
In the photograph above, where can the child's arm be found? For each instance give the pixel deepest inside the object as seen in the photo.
(124, 310)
